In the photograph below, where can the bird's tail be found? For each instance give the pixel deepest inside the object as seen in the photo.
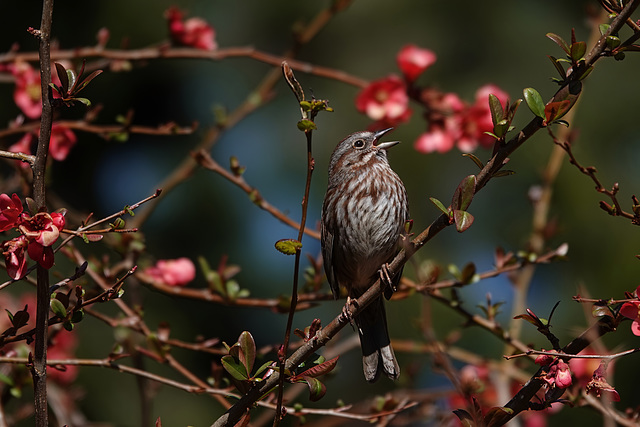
(377, 354)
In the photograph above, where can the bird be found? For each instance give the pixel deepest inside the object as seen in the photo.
(364, 213)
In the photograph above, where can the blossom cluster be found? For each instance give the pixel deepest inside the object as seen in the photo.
(173, 272)
(452, 121)
(37, 234)
(194, 32)
(27, 95)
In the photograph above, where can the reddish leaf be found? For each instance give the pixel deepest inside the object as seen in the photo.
(321, 369)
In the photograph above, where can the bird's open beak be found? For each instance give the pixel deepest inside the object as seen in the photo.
(383, 145)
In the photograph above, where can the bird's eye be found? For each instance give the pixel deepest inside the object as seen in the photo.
(358, 143)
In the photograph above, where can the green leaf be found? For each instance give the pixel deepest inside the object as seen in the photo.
(58, 308)
(475, 160)
(497, 113)
(317, 389)
(464, 193)
(439, 205)
(306, 125)
(463, 220)
(288, 246)
(559, 41)
(578, 49)
(604, 28)
(235, 369)
(85, 101)
(71, 76)
(558, 66)
(534, 102)
(248, 350)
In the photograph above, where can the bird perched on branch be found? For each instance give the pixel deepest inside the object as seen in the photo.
(363, 218)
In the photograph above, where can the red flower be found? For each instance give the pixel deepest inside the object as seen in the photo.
(413, 61)
(27, 94)
(10, 210)
(63, 347)
(173, 272)
(194, 32)
(61, 142)
(631, 310)
(385, 101)
(14, 260)
(559, 375)
(42, 230)
(478, 119)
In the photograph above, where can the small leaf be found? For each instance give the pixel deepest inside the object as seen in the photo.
(463, 220)
(558, 66)
(306, 125)
(248, 350)
(498, 416)
(235, 369)
(62, 75)
(475, 160)
(559, 41)
(497, 113)
(317, 389)
(604, 28)
(554, 110)
(85, 101)
(464, 193)
(465, 418)
(321, 369)
(288, 246)
(578, 50)
(71, 76)
(534, 102)
(439, 205)
(58, 308)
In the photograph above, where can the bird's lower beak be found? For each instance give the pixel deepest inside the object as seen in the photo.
(384, 145)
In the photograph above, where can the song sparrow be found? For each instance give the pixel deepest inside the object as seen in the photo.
(363, 216)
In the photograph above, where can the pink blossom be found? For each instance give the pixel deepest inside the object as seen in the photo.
(478, 117)
(437, 139)
(631, 310)
(10, 210)
(194, 32)
(61, 142)
(14, 259)
(559, 375)
(385, 101)
(413, 61)
(63, 346)
(27, 94)
(173, 272)
(42, 230)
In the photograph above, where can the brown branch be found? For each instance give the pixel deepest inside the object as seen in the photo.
(167, 52)
(204, 159)
(39, 367)
(103, 130)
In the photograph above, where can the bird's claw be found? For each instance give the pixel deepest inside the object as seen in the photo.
(386, 277)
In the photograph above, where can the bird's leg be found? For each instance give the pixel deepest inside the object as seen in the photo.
(346, 312)
(386, 277)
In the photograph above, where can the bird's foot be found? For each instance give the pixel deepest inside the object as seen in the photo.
(346, 310)
(386, 277)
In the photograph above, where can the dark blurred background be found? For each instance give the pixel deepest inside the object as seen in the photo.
(500, 42)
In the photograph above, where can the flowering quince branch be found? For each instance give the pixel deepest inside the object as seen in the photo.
(615, 209)
(205, 160)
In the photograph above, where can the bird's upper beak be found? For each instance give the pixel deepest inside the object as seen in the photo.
(383, 145)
